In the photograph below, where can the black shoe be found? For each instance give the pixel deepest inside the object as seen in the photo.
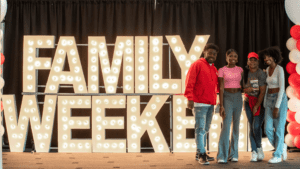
(210, 158)
(203, 159)
(197, 156)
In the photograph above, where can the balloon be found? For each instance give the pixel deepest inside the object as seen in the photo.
(291, 92)
(3, 9)
(1, 130)
(2, 59)
(293, 128)
(295, 32)
(294, 80)
(1, 35)
(291, 67)
(294, 104)
(297, 117)
(290, 116)
(289, 140)
(292, 10)
(297, 141)
(294, 56)
(291, 44)
(298, 68)
(1, 82)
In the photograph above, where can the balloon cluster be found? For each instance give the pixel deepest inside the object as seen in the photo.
(3, 11)
(292, 139)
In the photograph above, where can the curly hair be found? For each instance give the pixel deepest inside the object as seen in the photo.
(210, 46)
(273, 52)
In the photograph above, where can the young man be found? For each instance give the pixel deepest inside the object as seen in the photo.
(201, 91)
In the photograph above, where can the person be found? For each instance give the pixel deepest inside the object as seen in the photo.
(255, 89)
(230, 78)
(275, 103)
(201, 91)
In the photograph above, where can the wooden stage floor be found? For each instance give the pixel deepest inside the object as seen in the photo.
(55, 160)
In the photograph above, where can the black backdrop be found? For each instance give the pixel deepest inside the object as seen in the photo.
(245, 25)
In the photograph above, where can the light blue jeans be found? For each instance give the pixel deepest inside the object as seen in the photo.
(276, 137)
(255, 126)
(233, 104)
(203, 117)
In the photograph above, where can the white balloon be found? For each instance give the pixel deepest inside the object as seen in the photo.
(291, 44)
(292, 10)
(297, 117)
(1, 82)
(290, 92)
(295, 56)
(294, 104)
(3, 9)
(289, 140)
(1, 34)
(298, 68)
(1, 130)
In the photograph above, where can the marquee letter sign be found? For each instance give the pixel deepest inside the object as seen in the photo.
(142, 62)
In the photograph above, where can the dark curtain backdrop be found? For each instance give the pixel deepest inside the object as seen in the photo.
(245, 25)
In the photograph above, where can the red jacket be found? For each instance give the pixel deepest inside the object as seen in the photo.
(252, 101)
(201, 83)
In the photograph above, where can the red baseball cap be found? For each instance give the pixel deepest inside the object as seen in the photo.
(253, 55)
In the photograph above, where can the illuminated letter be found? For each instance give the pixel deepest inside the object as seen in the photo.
(66, 46)
(141, 64)
(31, 63)
(102, 122)
(138, 124)
(123, 47)
(181, 122)
(17, 131)
(157, 83)
(66, 123)
(186, 59)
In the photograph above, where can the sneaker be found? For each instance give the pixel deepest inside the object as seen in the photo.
(254, 156)
(222, 161)
(275, 160)
(284, 154)
(210, 158)
(203, 159)
(234, 160)
(260, 154)
(197, 156)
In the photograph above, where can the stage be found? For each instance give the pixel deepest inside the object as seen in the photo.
(134, 160)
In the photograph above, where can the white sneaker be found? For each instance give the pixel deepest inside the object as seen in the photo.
(222, 161)
(260, 154)
(234, 160)
(284, 154)
(275, 160)
(254, 156)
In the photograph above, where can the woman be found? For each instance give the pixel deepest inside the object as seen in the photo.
(275, 103)
(255, 89)
(231, 103)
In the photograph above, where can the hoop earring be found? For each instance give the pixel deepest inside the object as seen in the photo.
(265, 63)
(247, 67)
(275, 60)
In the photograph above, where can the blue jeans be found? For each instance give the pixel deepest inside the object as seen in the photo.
(203, 117)
(276, 137)
(233, 104)
(255, 122)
